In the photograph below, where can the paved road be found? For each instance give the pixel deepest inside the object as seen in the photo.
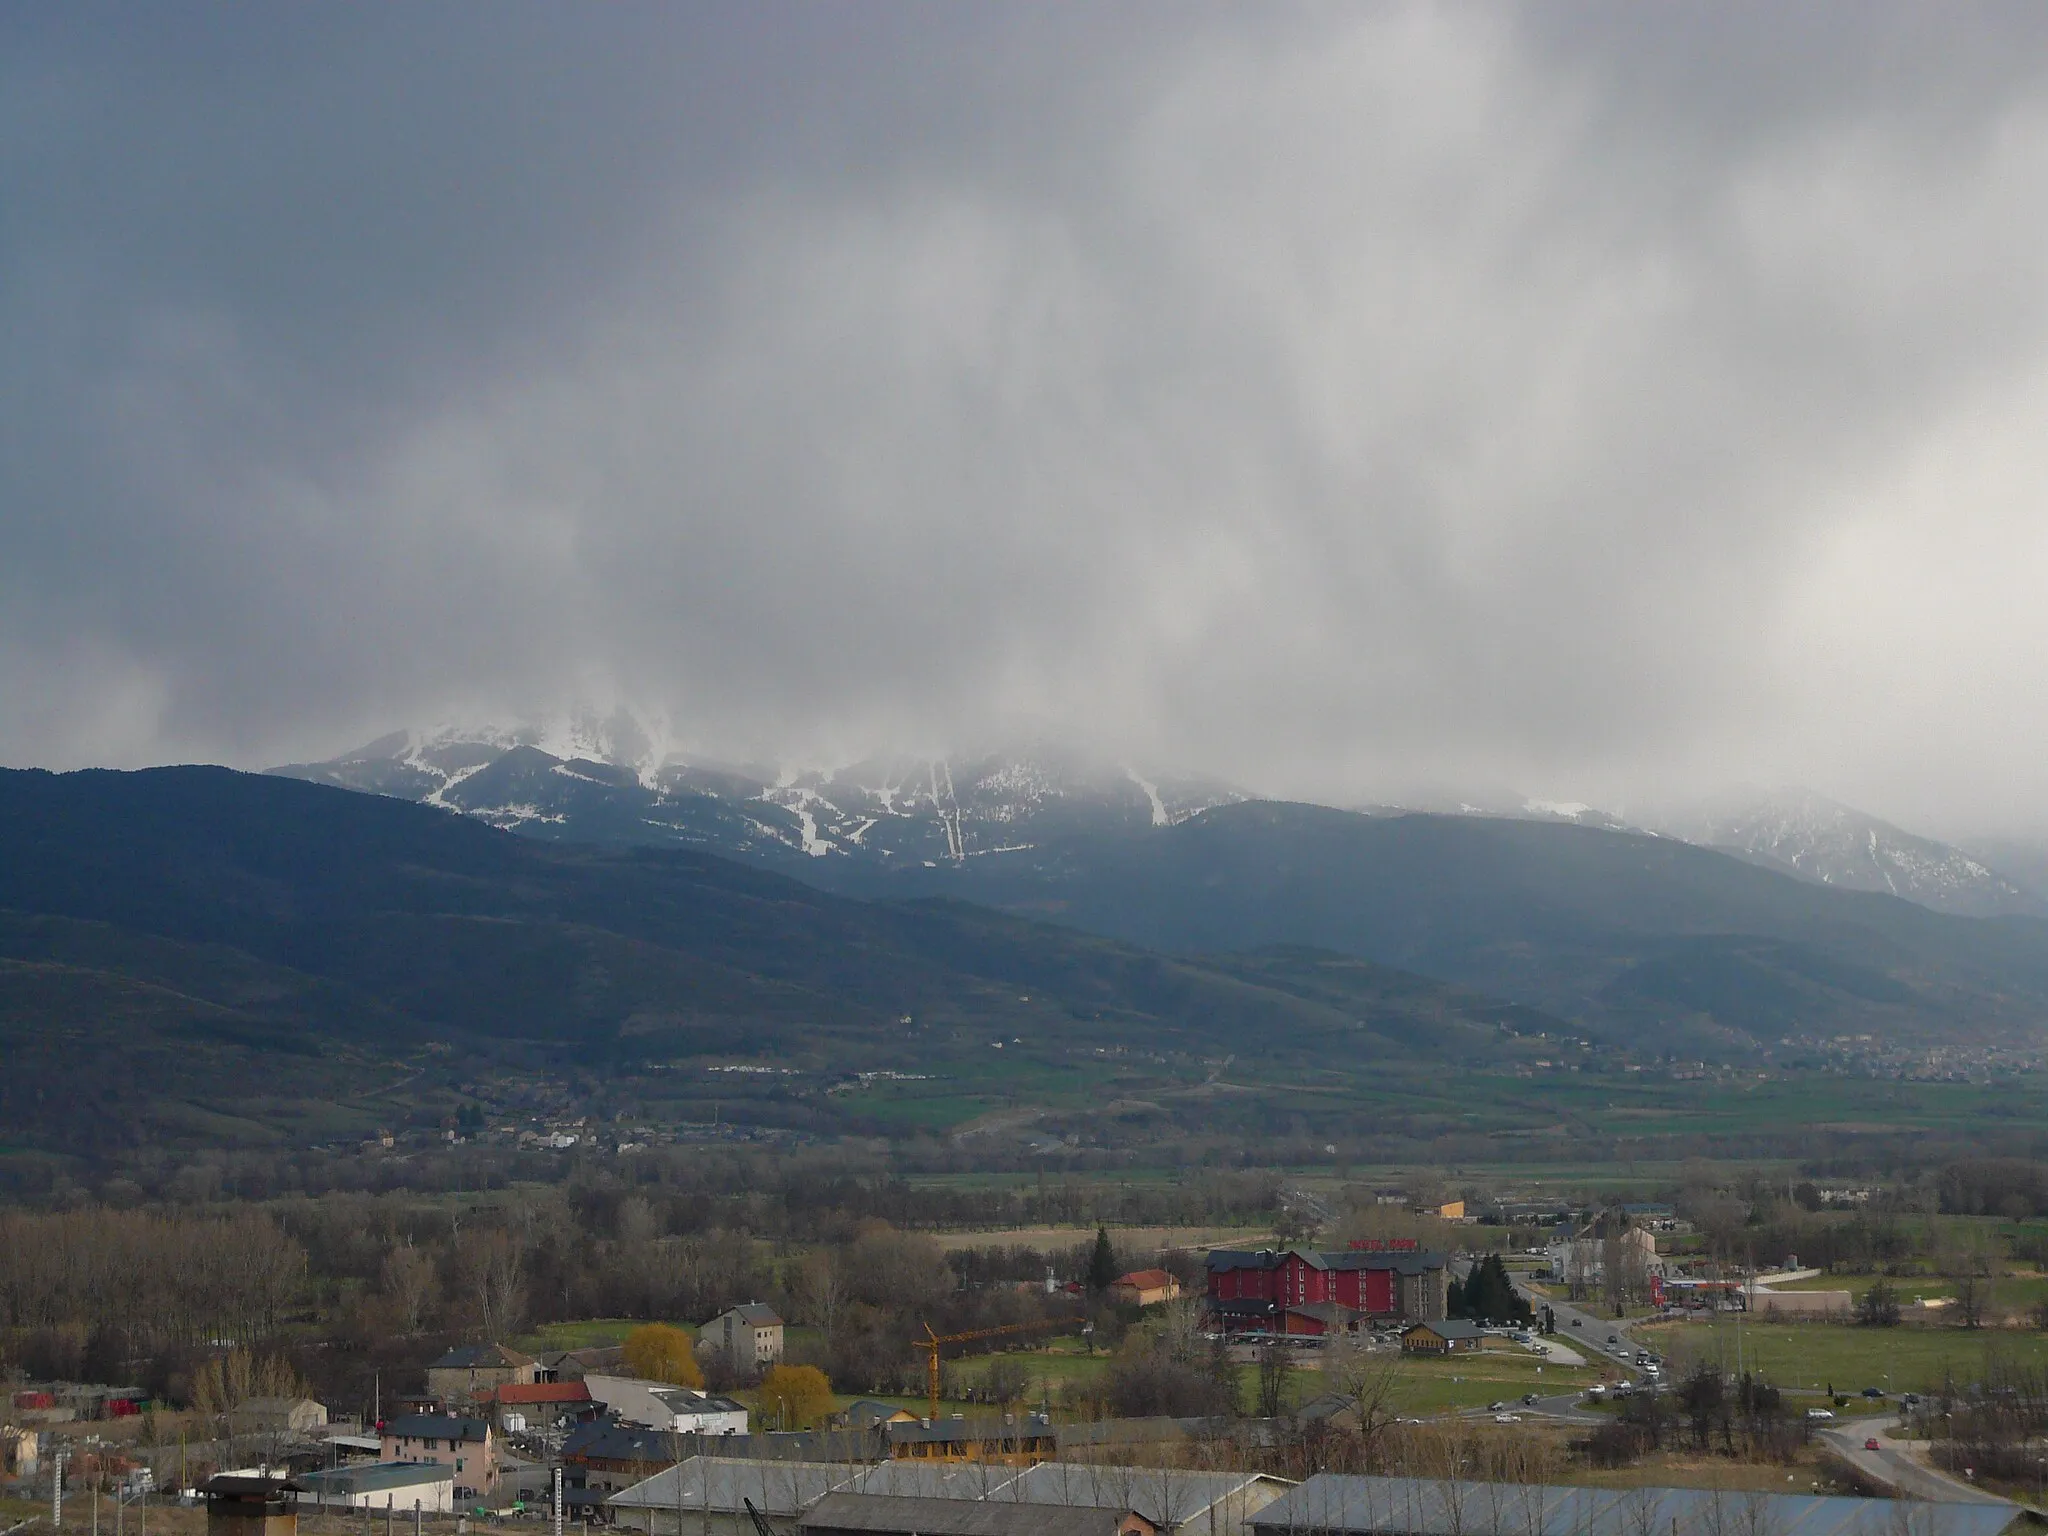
(1587, 1333)
(1559, 1408)
(1891, 1465)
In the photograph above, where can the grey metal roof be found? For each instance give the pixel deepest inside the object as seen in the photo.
(719, 1483)
(1398, 1506)
(1163, 1496)
(934, 1480)
(956, 1517)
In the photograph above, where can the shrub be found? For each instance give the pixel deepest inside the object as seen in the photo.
(661, 1352)
(793, 1397)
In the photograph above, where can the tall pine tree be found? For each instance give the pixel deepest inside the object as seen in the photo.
(1101, 1263)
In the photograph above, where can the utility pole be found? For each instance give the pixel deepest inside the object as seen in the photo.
(557, 1480)
(57, 1492)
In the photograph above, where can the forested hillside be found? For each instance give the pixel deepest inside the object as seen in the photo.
(194, 954)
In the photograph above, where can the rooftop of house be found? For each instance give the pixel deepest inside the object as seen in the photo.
(869, 1412)
(755, 1314)
(436, 1426)
(1146, 1279)
(515, 1393)
(1449, 1328)
(478, 1357)
(593, 1357)
(608, 1440)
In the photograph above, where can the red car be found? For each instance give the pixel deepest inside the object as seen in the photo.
(1870, 1444)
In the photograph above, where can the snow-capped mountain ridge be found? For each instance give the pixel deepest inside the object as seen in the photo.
(617, 779)
(1825, 841)
(1804, 833)
(610, 780)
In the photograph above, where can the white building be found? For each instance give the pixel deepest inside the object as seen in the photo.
(747, 1338)
(1583, 1261)
(657, 1405)
(394, 1485)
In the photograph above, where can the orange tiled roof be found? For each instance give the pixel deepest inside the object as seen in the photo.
(1146, 1279)
(539, 1392)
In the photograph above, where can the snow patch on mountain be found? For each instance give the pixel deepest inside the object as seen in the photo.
(1825, 841)
(1160, 818)
(613, 778)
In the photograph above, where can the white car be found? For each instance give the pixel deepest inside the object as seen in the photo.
(1820, 1415)
(1507, 1418)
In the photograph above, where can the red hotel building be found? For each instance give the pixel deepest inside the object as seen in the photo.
(1293, 1290)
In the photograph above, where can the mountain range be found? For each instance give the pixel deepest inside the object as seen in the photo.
(604, 779)
(1626, 934)
(198, 954)
(596, 780)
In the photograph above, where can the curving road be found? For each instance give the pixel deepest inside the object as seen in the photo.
(1892, 1465)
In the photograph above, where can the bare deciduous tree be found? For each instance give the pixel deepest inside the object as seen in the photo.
(408, 1282)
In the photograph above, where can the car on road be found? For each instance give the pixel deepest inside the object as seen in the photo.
(1507, 1418)
(1820, 1415)
(1575, 1322)
(1495, 1407)
(1876, 1392)
(1870, 1444)
(1530, 1400)
(1614, 1338)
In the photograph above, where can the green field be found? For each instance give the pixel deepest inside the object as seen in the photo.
(1811, 1356)
(2009, 1293)
(1427, 1386)
(585, 1333)
(1473, 1381)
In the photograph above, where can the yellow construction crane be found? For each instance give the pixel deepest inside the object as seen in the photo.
(932, 1343)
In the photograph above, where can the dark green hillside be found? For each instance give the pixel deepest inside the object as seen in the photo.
(1626, 933)
(254, 955)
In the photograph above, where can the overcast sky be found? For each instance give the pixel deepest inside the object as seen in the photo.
(1609, 402)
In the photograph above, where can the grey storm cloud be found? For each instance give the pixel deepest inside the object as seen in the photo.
(1606, 400)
